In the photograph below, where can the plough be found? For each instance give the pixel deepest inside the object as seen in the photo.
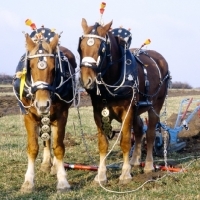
(173, 143)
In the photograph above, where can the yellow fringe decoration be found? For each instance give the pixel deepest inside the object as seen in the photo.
(22, 76)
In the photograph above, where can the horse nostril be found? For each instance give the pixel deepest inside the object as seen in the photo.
(48, 104)
(89, 81)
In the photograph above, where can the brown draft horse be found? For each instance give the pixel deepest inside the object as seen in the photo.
(47, 96)
(119, 95)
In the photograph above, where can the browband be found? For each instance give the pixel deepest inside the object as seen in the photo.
(41, 55)
(94, 36)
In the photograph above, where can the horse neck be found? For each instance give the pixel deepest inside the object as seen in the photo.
(113, 72)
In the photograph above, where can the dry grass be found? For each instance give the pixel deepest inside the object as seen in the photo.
(13, 164)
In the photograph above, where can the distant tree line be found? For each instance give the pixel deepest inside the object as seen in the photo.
(5, 79)
(180, 85)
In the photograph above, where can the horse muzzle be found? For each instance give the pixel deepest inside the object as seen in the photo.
(42, 106)
(42, 101)
(87, 82)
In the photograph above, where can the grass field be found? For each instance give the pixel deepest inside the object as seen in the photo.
(13, 165)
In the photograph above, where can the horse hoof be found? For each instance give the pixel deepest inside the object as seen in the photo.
(125, 181)
(45, 168)
(53, 170)
(27, 187)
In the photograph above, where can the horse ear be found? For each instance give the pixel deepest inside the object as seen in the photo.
(107, 27)
(30, 45)
(54, 42)
(84, 25)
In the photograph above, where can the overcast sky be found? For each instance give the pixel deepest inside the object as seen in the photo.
(173, 26)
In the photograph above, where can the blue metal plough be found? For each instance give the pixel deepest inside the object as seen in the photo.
(173, 143)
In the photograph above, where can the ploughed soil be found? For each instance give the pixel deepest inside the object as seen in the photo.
(9, 106)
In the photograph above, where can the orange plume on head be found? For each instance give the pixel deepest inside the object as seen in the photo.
(101, 10)
(103, 5)
(28, 22)
(33, 26)
(148, 41)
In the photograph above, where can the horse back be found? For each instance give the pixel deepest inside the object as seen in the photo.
(155, 64)
(157, 57)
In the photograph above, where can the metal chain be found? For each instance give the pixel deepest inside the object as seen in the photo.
(159, 116)
(83, 138)
(165, 134)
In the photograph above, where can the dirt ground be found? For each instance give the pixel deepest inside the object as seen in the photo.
(9, 105)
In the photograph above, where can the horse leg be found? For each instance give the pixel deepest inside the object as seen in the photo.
(125, 144)
(53, 168)
(32, 151)
(150, 137)
(138, 133)
(103, 148)
(46, 162)
(59, 151)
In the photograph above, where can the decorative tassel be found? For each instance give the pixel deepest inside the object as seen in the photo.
(148, 41)
(28, 22)
(102, 6)
(22, 76)
(136, 52)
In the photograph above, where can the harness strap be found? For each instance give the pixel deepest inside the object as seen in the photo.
(145, 76)
(40, 55)
(146, 53)
(94, 36)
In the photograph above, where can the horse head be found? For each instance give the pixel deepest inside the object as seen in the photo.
(92, 50)
(42, 68)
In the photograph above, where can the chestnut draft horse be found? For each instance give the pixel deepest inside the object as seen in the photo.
(44, 86)
(122, 86)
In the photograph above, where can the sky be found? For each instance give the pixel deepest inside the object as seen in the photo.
(173, 26)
